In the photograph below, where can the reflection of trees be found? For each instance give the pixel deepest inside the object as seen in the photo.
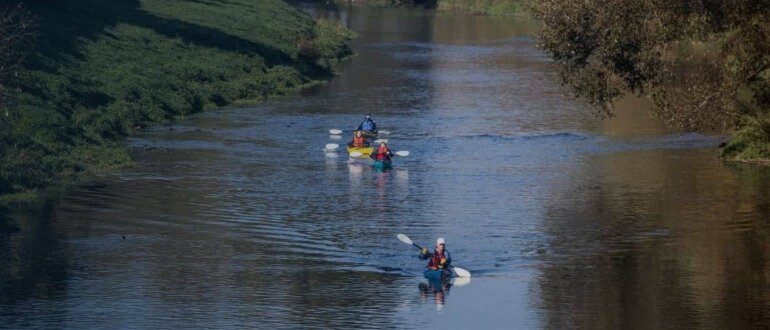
(7, 226)
(34, 264)
(657, 242)
(185, 258)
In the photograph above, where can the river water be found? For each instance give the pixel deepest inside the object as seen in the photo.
(236, 218)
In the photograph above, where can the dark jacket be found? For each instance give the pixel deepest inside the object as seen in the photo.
(435, 259)
(378, 155)
(368, 125)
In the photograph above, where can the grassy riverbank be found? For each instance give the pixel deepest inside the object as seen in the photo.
(100, 70)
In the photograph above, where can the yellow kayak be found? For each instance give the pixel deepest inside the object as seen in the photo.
(365, 151)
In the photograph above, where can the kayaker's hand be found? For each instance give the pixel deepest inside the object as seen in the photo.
(424, 251)
(443, 262)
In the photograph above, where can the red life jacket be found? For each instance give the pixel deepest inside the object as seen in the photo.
(435, 260)
(359, 141)
(382, 153)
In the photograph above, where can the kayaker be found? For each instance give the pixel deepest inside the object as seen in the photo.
(368, 125)
(358, 140)
(382, 152)
(440, 258)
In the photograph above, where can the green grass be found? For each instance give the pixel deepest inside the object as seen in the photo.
(101, 70)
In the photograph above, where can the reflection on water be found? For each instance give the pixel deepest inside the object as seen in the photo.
(688, 243)
(238, 219)
(437, 290)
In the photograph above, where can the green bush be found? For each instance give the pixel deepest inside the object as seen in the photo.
(751, 142)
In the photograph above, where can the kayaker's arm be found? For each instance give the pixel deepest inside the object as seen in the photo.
(424, 254)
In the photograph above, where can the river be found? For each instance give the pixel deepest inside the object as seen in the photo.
(236, 218)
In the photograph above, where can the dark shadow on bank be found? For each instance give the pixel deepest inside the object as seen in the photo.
(336, 4)
(427, 4)
(62, 25)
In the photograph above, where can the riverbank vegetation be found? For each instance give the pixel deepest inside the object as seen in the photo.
(96, 71)
(705, 64)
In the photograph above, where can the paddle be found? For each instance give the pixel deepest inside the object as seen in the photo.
(381, 141)
(332, 146)
(459, 271)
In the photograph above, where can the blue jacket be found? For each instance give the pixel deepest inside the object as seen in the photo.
(368, 125)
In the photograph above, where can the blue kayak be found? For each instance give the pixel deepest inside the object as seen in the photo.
(369, 134)
(437, 275)
(382, 164)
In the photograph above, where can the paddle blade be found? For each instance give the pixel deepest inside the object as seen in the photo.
(335, 131)
(356, 154)
(332, 146)
(462, 272)
(460, 281)
(383, 132)
(404, 238)
(402, 153)
(381, 141)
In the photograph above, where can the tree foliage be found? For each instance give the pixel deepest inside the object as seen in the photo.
(16, 35)
(704, 63)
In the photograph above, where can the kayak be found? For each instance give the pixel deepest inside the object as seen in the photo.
(437, 274)
(369, 135)
(365, 151)
(382, 164)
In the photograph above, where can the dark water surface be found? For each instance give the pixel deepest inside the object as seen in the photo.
(236, 218)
